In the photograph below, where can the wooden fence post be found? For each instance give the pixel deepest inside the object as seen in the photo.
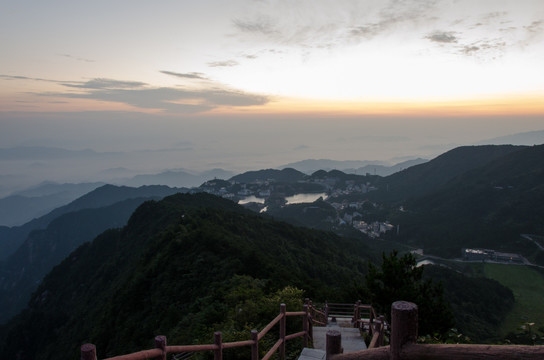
(333, 343)
(382, 322)
(356, 314)
(403, 326)
(160, 343)
(255, 346)
(88, 352)
(326, 313)
(311, 331)
(218, 340)
(283, 323)
(305, 320)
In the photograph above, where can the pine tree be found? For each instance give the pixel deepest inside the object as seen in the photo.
(399, 278)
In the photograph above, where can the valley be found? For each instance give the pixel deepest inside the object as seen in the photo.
(443, 207)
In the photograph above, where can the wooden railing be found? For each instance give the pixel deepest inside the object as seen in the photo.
(317, 316)
(336, 310)
(403, 345)
(362, 317)
(404, 318)
(161, 350)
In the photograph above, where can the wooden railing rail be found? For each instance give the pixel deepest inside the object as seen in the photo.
(339, 310)
(378, 330)
(403, 345)
(363, 316)
(317, 317)
(88, 351)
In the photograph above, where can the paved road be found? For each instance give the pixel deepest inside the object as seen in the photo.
(529, 237)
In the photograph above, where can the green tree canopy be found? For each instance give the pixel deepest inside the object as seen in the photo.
(399, 278)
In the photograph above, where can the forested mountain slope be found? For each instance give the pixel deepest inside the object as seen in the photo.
(488, 206)
(43, 249)
(172, 270)
(426, 178)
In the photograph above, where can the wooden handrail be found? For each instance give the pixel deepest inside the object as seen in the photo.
(403, 344)
(88, 351)
(377, 334)
(162, 350)
(315, 312)
(295, 313)
(267, 328)
(140, 355)
(319, 312)
(235, 344)
(190, 348)
(319, 323)
(273, 349)
(295, 335)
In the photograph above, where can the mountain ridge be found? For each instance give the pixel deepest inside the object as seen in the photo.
(424, 178)
(488, 206)
(43, 249)
(25, 205)
(12, 237)
(161, 259)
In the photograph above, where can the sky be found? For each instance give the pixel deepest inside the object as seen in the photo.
(248, 84)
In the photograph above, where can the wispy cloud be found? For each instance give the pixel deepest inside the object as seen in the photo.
(394, 14)
(202, 96)
(166, 99)
(324, 25)
(192, 75)
(261, 25)
(226, 63)
(103, 83)
(169, 99)
(350, 23)
(18, 77)
(77, 58)
(483, 48)
(536, 27)
(447, 37)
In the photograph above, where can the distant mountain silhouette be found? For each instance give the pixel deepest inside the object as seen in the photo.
(178, 178)
(34, 202)
(427, 177)
(284, 175)
(380, 168)
(12, 237)
(525, 138)
(310, 166)
(383, 170)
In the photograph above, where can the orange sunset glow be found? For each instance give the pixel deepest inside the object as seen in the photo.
(249, 84)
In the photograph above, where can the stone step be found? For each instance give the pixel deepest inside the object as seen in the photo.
(312, 354)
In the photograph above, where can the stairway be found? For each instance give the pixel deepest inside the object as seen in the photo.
(351, 340)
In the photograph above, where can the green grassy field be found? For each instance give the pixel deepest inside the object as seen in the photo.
(527, 284)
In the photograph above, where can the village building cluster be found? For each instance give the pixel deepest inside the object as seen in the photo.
(268, 192)
(491, 255)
